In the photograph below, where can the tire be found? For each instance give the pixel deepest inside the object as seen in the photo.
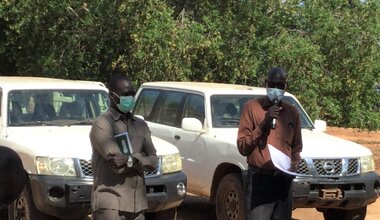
(23, 208)
(342, 214)
(230, 199)
(169, 214)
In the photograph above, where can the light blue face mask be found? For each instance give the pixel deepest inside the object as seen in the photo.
(275, 94)
(126, 103)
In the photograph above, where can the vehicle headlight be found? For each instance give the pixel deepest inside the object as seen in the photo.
(367, 164)
(55, 166)
(171, 163)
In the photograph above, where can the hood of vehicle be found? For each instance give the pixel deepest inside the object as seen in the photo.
(52, 141)
(315, 144)
(321, 145)
(163, 147)
(71, 141)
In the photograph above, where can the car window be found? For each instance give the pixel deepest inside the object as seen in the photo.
(305, 120)
(169, 108)
(55, 107)
(195, 108)
(226, 110)
(145, 103)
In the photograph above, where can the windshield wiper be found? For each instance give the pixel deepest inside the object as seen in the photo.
(83, 122)
(34, 123)
(66, 122)
(70, 122)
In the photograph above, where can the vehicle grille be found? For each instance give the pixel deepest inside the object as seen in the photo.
(155, 172)
(302, 168)
(328, 167)
(320, 166)
(86, 169)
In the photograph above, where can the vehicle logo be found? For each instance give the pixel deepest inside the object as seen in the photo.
(329, 167)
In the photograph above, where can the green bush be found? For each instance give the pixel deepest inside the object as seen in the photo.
(330, 49)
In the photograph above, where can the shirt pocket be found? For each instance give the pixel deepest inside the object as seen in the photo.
(289, 132)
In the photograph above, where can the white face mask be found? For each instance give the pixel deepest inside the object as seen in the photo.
(274, 94)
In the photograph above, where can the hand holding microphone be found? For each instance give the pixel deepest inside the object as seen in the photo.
(276, 112)
(270, 117)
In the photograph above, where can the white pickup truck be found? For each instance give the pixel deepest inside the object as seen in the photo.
(47, 122)
(335, 176)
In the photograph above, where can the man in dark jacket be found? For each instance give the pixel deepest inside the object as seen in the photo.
(12, 176)
(269, 122)
(119, 188)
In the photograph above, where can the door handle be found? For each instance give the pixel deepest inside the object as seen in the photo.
(177, 137)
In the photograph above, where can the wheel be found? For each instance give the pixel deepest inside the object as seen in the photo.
(230, 199)
(342, 214)
(23, 208)
(169, 214)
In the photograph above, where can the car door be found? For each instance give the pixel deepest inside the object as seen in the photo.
(164, 110)
(161, 109)
(193, 146)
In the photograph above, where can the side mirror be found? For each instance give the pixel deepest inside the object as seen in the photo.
(192, 124)
(320, 125)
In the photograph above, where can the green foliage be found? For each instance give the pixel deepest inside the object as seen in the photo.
(348, 36)
(330, 49)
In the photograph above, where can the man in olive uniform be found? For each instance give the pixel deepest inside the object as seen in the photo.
(119, 188)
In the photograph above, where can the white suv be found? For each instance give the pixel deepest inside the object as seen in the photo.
(335, 176)
(47, 122)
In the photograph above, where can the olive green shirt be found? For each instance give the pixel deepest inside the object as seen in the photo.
(120, 189)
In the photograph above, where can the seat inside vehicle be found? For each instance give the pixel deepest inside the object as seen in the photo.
(15, 113)
(70, 110)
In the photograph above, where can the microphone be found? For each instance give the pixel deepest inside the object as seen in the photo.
(274, 119)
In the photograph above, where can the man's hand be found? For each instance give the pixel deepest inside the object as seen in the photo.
(293, 167)
(117, 160)
(272, 112)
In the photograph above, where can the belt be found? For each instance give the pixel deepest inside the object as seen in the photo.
(256, 169)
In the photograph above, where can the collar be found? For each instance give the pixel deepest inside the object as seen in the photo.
(117, 115)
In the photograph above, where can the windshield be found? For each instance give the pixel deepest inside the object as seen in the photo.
(55, 107)
(226, 110)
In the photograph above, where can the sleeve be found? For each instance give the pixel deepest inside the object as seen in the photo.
(249, 133)
(297, 140)
(148, 158)
(103, 141)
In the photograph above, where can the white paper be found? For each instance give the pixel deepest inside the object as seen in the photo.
(280, 160)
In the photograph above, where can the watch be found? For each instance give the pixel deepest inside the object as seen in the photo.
(130, 161)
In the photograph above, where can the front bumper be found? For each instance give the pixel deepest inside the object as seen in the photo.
(63, 197)
(165, 191)
(347, 192)
(70, 197)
